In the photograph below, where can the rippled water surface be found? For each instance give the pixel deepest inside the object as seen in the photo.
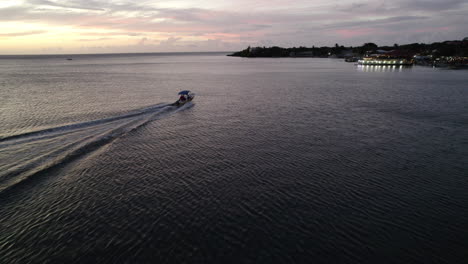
(275, 161)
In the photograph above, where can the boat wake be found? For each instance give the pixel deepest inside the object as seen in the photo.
(26, 156)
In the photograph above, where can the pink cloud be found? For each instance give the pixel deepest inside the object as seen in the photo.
(221, 35)
(351, 33)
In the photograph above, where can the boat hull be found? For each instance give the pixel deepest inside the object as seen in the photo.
(179, 103)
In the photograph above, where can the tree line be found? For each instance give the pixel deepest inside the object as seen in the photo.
(437, 49)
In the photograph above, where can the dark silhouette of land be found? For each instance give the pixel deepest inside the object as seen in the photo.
(458, 48)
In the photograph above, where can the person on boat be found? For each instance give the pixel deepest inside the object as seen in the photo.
(182, 98)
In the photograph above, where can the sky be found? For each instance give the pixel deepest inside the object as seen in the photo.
(116, 26)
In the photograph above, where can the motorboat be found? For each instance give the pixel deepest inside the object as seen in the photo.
(185, 97)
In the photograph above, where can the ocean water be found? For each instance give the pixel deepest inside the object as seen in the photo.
(291, 160)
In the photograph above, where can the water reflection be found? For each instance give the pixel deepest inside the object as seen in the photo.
(382, 68)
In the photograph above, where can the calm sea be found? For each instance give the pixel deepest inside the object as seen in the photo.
(275, 161)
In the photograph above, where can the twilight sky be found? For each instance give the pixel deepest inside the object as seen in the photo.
(98, 26)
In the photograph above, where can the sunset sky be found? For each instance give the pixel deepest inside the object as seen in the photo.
(98, 26)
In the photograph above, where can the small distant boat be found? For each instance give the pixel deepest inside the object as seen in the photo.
(69, 59)
(185, 97)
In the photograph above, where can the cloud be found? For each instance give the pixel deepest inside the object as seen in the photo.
(168, 45)
(142, 41)
(94, 39)
(24, 33)
(90, 5)
(376, 22)
(432, 5)
(189, 23)
(170, 42)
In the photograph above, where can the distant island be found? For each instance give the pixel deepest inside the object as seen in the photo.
(446, 48)
(440, 53)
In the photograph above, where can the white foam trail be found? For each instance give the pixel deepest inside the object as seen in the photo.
(47, 149)
(70, 127)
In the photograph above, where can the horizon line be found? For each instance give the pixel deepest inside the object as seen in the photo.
(111, 53)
